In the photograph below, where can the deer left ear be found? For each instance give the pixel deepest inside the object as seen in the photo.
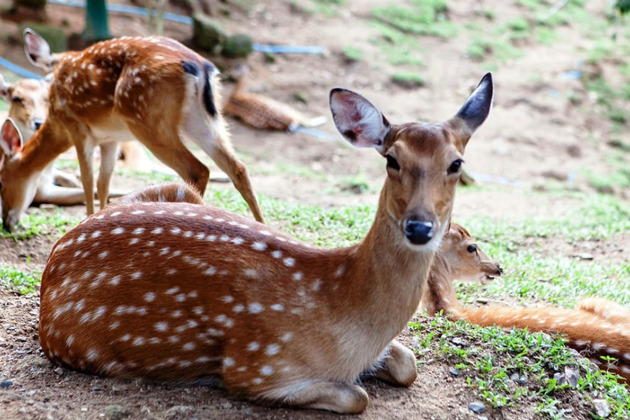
(4, 88)
(10, 138)
(358, 120)
(37, 50)
(477, 107)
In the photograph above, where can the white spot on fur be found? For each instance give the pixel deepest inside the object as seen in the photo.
(253, 346)
(255, 308)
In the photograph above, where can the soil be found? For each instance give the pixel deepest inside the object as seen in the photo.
(536, 132)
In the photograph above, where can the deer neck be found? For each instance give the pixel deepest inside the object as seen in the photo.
(47, 143)
(440, 294)
(387, 275)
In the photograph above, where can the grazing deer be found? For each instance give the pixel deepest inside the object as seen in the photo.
(153, 87)
(459, 258)
(28, 106)
(180, 292)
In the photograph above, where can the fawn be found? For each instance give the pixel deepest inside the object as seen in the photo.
(153, 87)
(459, 258)
(180, 292)
(598, 328)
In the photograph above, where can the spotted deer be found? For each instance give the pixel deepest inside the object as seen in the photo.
(182, 292)
(153, 87)
(459, 258)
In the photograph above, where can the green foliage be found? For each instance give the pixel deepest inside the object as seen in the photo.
(420, 18)
(408, 79)
(623, 6)
(351, 53)
(19, 281)
(489, 358)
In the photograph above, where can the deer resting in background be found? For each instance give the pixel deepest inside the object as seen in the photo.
(180, 292)
(597, 328)
(155, 88)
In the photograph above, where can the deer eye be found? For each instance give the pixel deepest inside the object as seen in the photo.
(392, 163)
(455, 166)
(472, 248)
(16, 99)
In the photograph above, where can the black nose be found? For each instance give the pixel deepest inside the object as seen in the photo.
(418, 233)
(37, 124)
(500, 269)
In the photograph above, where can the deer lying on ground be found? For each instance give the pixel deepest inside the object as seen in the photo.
(598, 328)
(154, 87)
(265, 113)
(182, 292)
(459, 258)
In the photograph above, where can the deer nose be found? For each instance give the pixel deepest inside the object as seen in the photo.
(418, 232)
(500, 270)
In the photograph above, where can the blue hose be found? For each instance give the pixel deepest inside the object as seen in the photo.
(19, 70)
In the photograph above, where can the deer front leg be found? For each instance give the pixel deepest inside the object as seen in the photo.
(398, 365)
(332, 396)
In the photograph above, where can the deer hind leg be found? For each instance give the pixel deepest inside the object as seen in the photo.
(398, 365)
(108, 160)
(211, 137)
(166, 144)
(333, 396)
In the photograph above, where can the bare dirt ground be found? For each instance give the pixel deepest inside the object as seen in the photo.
(535, 132)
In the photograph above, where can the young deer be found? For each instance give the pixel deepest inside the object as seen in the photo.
(181, 292)
(154, 87)
(459, 258)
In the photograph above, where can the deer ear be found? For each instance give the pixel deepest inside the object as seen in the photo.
(4, 88)
(477, 107)
(357, 119)
(10, 138)
(37, 50)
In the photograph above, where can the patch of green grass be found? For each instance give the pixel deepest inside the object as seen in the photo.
(352, 53)
(490, 359)
(19, 281)
(4, 105)
(38, 222)
(408, 79)
(419, 18)
(398, 47)
(327, 228)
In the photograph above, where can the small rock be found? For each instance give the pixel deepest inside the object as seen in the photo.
(454, 372)
(482, 300)
(477, 407)
(207, 32)
(97, 388)
(519, 379)
(601, 408)
(116, 412)
(572, 376)
(238, 45)
(560, 378)
(5, 384)
(58, 370)
(458, 342)
(31, 393)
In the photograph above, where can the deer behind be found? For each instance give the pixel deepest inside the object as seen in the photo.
(459, 258)
(598, 328)
(179, 292)
(155, 88)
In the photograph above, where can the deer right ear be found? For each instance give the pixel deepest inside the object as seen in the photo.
(37, 50)
(358, 120)
(10, 138)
